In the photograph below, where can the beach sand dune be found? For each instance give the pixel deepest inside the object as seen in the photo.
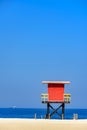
(42, 124)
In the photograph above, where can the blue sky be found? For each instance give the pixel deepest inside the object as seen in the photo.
(42, 40)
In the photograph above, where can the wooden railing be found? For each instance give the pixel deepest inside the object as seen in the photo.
(67, 98)
(44, 98)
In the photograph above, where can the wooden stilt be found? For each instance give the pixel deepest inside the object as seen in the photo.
(55, 111)
(63, 107)
(48, 111)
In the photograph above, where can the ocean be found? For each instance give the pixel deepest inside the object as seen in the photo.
(39, 113)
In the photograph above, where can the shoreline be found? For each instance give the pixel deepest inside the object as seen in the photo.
(42, 124)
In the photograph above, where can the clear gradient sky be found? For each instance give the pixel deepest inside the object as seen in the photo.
(42, 40)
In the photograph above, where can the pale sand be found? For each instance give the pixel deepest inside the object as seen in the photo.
(42, 124)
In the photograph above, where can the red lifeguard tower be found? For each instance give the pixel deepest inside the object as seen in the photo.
(55, 95)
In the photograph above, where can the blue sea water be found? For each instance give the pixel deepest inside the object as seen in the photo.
(39, 113)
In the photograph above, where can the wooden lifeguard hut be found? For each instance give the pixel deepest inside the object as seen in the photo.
(55, 95)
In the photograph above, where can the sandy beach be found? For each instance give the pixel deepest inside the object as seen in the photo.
(42, 124)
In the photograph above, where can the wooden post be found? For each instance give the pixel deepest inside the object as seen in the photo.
(63, 107)
(48, 111)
